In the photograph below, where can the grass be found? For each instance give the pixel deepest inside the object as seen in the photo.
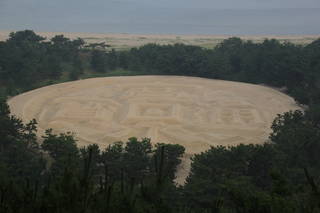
(65, 78)
(117, 72)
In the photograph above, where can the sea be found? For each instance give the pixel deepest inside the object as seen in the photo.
(119, 16)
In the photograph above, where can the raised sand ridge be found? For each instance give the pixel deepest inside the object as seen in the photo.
(194, 112)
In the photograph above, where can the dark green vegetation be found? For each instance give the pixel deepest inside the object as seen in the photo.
(57, 176)
(29, 61)
(281, 175)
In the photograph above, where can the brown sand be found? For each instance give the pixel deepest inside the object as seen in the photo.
(194, 112)
(126, 41)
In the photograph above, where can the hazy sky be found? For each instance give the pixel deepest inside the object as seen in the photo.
(233, 4)
(219, 4)
(163, 16)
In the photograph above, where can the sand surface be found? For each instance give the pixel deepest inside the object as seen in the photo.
(194, 112)
(121, 41)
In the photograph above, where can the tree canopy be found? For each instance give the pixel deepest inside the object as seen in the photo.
(55, 175)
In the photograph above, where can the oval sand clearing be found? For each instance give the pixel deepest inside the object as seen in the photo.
(194, 112)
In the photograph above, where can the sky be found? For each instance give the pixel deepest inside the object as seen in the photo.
(234, 4)
(163, 16)
(212, 4)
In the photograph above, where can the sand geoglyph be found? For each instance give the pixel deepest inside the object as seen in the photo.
(194, 112)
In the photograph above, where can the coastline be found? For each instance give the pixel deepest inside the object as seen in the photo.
(126, 41)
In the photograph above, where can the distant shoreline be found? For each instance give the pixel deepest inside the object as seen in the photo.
(127, 41)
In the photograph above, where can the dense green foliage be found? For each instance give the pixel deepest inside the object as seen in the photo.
(59, 177)
(273, 177)
(27, 61)
(281, 175)
(286, 65)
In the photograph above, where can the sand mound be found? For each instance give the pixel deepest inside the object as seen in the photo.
(195, 112)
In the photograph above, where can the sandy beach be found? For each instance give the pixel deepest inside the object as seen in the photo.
(121, 41)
